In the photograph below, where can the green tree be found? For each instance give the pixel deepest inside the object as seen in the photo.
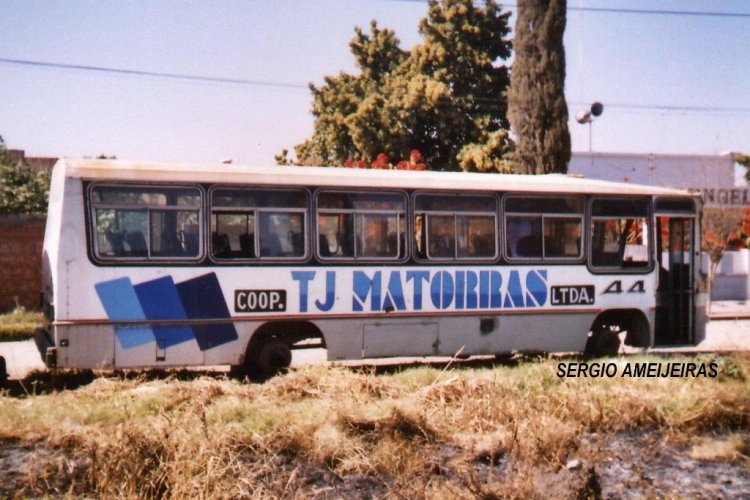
(537, 110)
(22, 190)
(444, 95)
(743, 160)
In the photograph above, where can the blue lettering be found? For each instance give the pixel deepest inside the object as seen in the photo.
(484, 289)
(394, 296)
(364, 286)
(496, 281)
(536, 284)
(460, 289)
(514, 296)
(471, 290)
(330, 293)
(441, 290)
(418, 277)
(304, 278)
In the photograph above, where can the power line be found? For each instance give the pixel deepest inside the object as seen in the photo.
(482, 101)
(668, 107)
(173, 76)
(613, 10)
(609, 10)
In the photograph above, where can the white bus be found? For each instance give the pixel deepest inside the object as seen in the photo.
(154, 265)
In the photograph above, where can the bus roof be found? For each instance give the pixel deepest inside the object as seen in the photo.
(141, 171)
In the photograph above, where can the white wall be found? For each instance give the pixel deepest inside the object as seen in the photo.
(678, 171)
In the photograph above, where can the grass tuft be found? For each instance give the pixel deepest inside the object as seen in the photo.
(19, 325)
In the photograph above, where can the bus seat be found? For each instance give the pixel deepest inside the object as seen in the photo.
(247, 244)
(116, 241)
(324, 249)
(220, 245)
(190, 243)
(442, 246)
(346, 244)
(270, 245)
(393, 239)
(528, 246)
(483, 246)
(136, 242)
(297, 241)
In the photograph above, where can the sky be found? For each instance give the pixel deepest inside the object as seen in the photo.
(671, 83)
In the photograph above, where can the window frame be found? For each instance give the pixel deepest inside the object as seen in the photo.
(542, 216)
(498, 237)
(91, 212)
(357, 214)
(256, 211)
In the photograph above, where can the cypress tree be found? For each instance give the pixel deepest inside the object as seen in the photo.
(537, 109)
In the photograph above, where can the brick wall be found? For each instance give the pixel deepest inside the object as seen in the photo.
(21, 238)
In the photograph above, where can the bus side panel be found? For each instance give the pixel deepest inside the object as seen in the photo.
(232, 353)
(51, 246)
(85, 346)
(451, 335)
(509, 332)
(343, 338)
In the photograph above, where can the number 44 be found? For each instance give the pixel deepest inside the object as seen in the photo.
(616, 287)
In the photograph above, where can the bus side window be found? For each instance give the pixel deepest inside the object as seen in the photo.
(619, 236)
(450, 227)
(544, 228)
(145, 222)
(259, 223)
(361, 225)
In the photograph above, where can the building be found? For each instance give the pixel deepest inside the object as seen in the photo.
(718, 178)
(37, 163)
(715, 176)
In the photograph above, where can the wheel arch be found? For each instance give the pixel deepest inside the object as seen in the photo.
(631, 320)
(292, 331)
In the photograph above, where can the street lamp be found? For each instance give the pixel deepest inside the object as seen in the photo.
(588, 115)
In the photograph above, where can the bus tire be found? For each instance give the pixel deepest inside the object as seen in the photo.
(603, 342)
(270, 356)
(3, 373)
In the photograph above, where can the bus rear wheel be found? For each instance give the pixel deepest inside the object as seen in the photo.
(3, 373)
(269, 356)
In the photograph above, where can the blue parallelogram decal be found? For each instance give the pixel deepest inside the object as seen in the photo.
(162, 299)
(122, 304)
(203, 299)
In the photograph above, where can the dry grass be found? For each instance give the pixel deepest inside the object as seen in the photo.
(329, 431)
(729, 448)
(19, 325)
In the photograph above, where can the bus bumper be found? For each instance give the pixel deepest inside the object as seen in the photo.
(46, 347)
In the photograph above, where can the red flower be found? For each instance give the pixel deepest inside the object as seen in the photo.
(381, 162)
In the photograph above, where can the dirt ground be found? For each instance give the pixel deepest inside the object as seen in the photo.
(637, 465)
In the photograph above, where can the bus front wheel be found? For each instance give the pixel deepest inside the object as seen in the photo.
(603, 342)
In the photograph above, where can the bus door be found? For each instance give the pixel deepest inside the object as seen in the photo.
(675, 234)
